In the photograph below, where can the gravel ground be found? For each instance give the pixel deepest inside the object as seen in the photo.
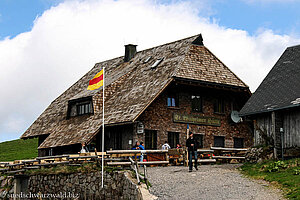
(209, 182)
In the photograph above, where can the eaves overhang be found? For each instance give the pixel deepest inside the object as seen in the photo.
(269, 110)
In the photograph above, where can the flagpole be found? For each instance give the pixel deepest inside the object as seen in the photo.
(103, 125)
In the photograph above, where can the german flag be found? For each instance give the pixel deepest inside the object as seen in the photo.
(96, 82)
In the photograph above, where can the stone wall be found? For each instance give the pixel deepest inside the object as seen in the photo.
(6, 186)
(159, 117)
(117, 185)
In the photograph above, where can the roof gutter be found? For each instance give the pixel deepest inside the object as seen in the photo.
(213, 84)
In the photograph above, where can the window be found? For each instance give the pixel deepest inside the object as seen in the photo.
(235, 106)
(238, 142)
(172, 100)
(196, 103)
(219, 141)
(150, 139)
(147, 59)
(173, 139)
(219, 106)
(81, 106)
(199, 139)
(84, 108)
(157, 62)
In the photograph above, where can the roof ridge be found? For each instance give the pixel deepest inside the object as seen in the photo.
(275, 92)
(298, 45)
(168, 43)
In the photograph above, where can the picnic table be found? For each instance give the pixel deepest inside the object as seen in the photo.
(228, 154)
(203, 156)
(176, 156)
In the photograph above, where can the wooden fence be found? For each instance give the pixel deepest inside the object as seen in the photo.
(129, 158)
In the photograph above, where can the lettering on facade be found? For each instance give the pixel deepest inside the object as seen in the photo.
(194, 119)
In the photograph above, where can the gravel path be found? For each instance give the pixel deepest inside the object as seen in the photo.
(209, 182)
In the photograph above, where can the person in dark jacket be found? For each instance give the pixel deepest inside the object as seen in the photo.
(192, 146)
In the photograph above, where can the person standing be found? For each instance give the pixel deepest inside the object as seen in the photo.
(141, 146)
(166, 146)
(192, 146)
(136, 146)
(84, 149)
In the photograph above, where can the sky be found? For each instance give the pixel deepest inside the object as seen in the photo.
(47, 45)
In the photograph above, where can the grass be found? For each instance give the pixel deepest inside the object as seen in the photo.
(285, 173)
(18, 149)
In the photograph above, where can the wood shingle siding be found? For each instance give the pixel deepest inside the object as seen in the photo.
(291, 127)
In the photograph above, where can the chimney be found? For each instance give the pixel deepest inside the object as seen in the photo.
(198, 40)
(130, 51)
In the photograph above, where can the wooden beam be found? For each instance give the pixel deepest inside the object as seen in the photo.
(207, 160)
(228, 157)
(136, 151)
(228, 149)
(140, 163)
(205, 150)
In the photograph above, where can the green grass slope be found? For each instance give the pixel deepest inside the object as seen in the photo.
(286, 173)
(18, 149)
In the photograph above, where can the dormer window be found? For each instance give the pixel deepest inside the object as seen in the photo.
(82, 106)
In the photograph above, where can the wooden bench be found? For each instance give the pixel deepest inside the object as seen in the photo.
(52, 159)
(175, 156)
(17, 165)
(81, 159)
(29, 161)
(4, 164)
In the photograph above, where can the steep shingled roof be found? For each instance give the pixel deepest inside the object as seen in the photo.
(281, 87)
(130, 88)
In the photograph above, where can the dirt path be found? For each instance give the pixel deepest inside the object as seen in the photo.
(209, 182)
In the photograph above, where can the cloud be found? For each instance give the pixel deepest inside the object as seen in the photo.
(270, 1)
(68, 39)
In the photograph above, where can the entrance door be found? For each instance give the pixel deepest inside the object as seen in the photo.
(117, 140)
(113, 139)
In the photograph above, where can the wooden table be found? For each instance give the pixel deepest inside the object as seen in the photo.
(229, 153)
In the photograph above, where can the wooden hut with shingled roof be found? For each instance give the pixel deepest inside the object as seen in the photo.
(275, 106)
(150, 96)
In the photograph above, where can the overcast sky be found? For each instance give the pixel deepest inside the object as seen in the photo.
(47, 45)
